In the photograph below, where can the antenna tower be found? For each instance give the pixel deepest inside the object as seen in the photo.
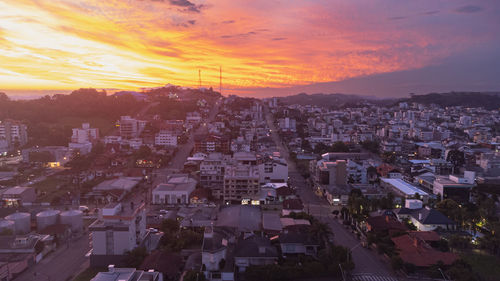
(199, 78)
(220, 80)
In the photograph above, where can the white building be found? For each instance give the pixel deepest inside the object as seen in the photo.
(175, 191)
(273, 169)
(84, 134)
(121, 227)
(166, 138)
(12, 133)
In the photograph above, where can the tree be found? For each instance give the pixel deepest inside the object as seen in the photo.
(193, 275)
(169, 226)
(135, 257)
(457, 158)
(450, 209)
(339, 146)
(372, 146)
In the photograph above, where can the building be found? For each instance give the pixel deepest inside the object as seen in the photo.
(218, 243)
(121, 227)
(416, 251)
(130, 127)
(175, 191)
(211, 143)
(84, 134)
(166, 138)
(254, 251)
(13, 134)
(17, 196)
(241, 182)
(273, 169)
(18, 253)
(212, 170)
(454, 187)
(329, 172)
(52, 156)
(404, 189)
(127, 274)
(426, 219)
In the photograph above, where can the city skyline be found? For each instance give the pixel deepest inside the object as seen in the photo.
(265, 48)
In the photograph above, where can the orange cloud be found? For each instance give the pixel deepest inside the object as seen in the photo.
(66, 44)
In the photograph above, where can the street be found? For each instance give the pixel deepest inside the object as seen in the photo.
(366, 261)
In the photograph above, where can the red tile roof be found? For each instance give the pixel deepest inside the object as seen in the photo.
(425, 235)
(419, 253)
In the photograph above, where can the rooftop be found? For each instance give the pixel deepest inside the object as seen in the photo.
(404, 187)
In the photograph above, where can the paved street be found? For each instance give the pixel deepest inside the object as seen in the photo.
(366, 261)
(61, 265)
(177, 162)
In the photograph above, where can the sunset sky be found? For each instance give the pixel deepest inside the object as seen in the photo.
(263, 46)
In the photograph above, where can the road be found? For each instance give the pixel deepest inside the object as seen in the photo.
(60, 265)
(366, 261)
(184, 150)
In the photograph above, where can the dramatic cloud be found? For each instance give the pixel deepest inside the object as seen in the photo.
(65, 44)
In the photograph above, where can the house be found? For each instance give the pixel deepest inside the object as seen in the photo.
(415, 251)
(293, 205)
(295, 242)
(254, 250)
(385, 224)
(218, 243)
(426, 219)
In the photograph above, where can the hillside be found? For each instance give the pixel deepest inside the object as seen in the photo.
(329, 100)
(487, 100)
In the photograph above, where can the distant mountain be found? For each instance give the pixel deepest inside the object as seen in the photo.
(487, 100)
(330, 100)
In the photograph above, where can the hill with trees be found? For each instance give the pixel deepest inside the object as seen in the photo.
(51, 118)
(487, 100)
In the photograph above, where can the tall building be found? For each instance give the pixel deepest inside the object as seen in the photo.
(241, 182)
(12, 134)
(130, 127)
(82, 138)
(121, 227)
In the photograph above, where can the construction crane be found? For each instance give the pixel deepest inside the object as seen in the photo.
(199, 78)
(220, 80)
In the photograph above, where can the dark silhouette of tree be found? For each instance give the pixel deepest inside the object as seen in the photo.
(457, 158)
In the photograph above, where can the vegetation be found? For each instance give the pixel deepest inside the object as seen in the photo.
(176, 239)
(193, 275)
(135, 257)
(170, 109)
(50, 119)
(372, 146)
(465, 99)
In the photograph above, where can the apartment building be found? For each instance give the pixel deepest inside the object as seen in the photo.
(241, 182)
(166, 138)
(121, 227)
(212, 170)
(12, 134)
(175, 191)
(130, 127)
(273, 169)
(82, 138)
